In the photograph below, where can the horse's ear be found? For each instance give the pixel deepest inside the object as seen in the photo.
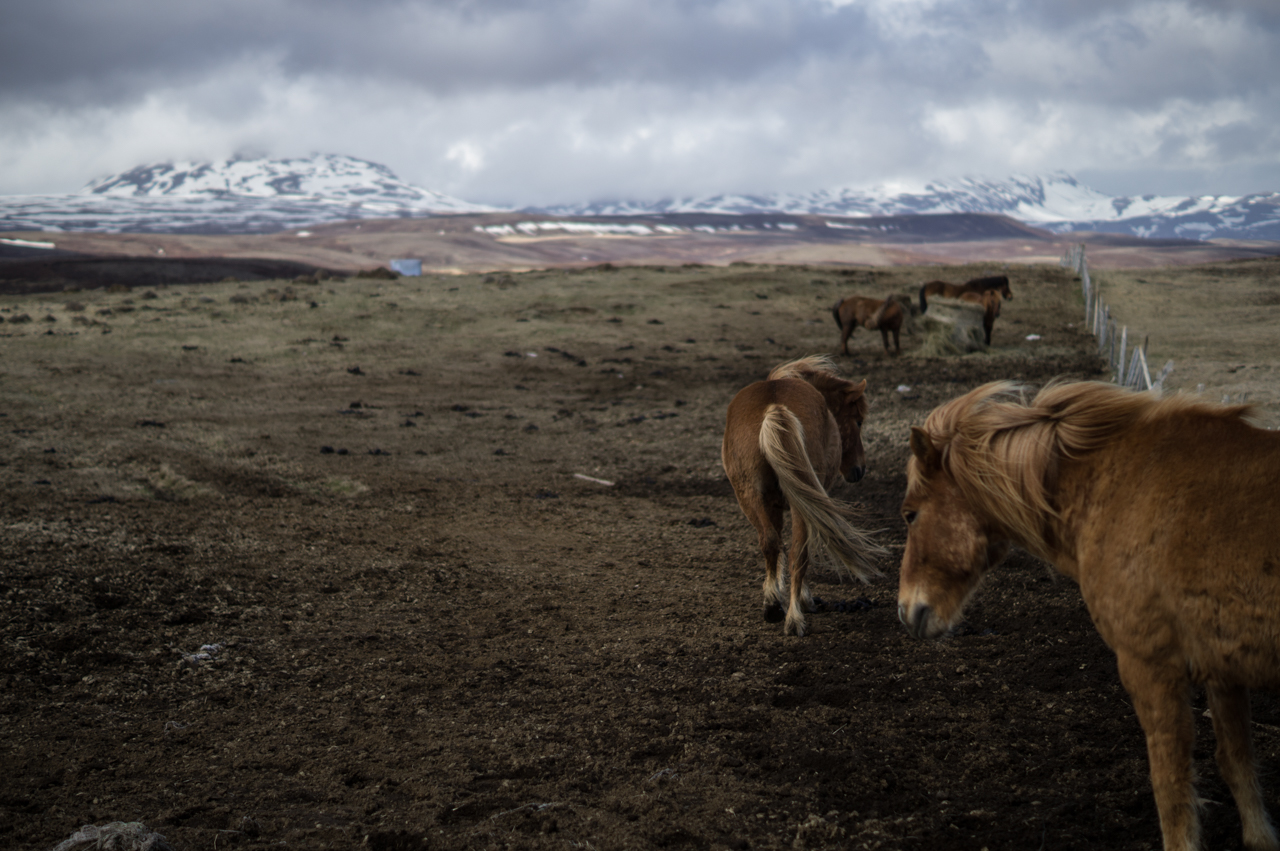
(923, 448)
(856, 390)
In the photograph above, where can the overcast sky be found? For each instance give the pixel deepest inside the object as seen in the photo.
(519, 102)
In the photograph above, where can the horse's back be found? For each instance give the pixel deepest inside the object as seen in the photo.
(748, 407)
(854, 309)
(993, 283)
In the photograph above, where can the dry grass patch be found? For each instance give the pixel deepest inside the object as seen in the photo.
(1219, 323)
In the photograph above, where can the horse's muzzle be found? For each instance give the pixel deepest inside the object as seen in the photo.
(918, 619)
(856, 474)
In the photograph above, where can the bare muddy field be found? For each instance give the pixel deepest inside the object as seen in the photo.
(450, 563)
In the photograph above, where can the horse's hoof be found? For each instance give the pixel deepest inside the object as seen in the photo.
(774, 613)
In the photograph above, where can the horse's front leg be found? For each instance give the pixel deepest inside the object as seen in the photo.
(798, 562)
(1160, 699)
(1229, 706)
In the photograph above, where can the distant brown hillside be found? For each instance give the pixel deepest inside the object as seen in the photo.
(513, 241)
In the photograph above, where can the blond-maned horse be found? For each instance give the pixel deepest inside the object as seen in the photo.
(998, 283)
(883, 315)
(787, 441)
(1164, 512)
(989, 301)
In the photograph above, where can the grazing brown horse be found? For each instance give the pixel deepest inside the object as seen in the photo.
(787, 440)
(998, 283)
(990, 303)
(884, 315)
(1164, 512)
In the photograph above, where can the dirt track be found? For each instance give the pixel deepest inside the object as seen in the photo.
(432, 633)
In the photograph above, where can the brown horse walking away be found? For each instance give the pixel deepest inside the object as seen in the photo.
(787, 440)
(1162, 510)
(998, 283)
(990, 302)
(884, 315)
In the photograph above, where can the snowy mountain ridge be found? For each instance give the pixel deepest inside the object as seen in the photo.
(264, 195)
(328, 177)
(1056, 202)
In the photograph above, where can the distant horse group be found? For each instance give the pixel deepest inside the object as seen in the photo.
(996, 283)
(887, 315)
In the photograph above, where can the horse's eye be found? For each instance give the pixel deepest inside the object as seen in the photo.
(909, 516)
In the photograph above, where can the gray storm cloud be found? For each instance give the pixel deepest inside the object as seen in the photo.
(514, 102)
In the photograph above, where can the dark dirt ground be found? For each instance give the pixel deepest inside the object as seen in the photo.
(431, 634)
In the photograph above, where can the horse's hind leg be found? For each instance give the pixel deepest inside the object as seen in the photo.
(1229, 706)
(798, 562)
(768, 523)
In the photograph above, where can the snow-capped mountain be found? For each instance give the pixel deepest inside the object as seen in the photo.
(329, 177)
(232, 196)
(264, 195)
(1056, 202)
(1025, 198)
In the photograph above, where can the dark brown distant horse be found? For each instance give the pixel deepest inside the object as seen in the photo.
(1163, 510)
(999, 283)
(787, 440)
(884, 315)
(990, 303)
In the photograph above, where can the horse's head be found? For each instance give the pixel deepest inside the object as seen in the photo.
(850, 411)
(949, 545)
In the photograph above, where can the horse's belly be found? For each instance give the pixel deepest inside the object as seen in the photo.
(1220, 623)
(1246, 654)
(1234, 638)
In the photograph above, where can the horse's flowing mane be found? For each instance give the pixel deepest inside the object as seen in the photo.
(804, 368)
(820, 371)
(1003, 451)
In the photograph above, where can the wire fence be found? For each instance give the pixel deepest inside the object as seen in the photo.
(1114, 345)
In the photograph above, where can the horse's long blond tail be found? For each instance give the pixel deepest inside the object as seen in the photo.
(830, 522)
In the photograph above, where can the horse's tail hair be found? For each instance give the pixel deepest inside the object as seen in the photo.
(835, 311)
(924, 302)
(829, 521)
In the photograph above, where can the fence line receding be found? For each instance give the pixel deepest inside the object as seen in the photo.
(1113, 345)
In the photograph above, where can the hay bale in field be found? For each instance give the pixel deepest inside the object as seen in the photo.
(953, 327)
